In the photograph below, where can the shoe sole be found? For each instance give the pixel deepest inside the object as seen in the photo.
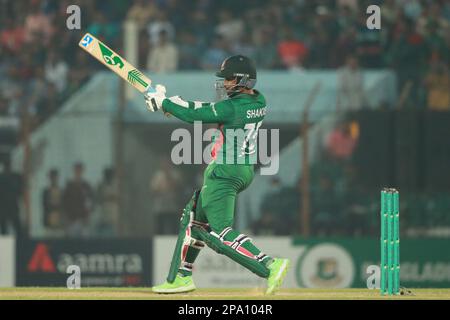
(280, 277)
(188, 288)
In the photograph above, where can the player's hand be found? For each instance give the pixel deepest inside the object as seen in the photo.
(154, 97)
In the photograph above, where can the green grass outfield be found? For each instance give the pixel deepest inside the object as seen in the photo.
(207, 294)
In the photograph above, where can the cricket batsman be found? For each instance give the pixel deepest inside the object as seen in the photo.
(208, 217)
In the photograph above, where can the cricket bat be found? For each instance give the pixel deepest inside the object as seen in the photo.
(115, 63)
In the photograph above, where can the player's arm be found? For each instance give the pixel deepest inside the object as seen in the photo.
(191, 111)
(188, 111)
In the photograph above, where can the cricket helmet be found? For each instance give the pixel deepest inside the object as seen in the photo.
(240, 67)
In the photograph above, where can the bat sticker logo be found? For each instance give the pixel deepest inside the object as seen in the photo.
(86, 41)
(109, 58)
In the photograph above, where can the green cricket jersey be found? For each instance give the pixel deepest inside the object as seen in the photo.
(239, 118)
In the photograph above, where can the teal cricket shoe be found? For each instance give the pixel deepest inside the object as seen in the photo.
(181, 284)
(278, 270)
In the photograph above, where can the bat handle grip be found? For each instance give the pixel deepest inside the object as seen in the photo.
(149, 89)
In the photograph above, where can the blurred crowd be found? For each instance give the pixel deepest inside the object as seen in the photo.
(78, 209)
(40, 64)
(291, 34)
(73, 209)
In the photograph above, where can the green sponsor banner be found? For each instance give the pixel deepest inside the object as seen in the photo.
(343, 262)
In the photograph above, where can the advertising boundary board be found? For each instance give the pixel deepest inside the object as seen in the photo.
(101, 262)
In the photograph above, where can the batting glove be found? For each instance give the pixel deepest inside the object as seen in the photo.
(154, 97)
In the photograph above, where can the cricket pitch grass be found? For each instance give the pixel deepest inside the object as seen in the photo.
(91, 293)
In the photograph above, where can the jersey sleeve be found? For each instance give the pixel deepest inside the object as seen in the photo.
(190, 111)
